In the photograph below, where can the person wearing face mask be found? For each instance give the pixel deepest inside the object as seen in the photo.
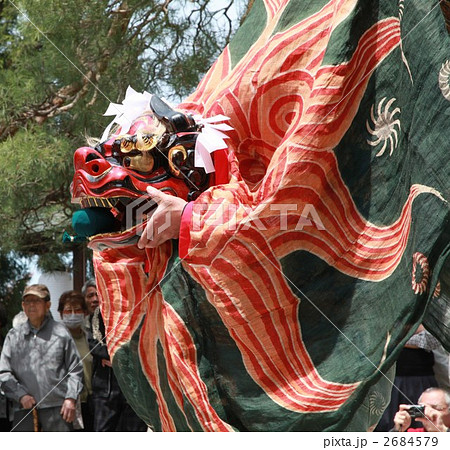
(73, 310)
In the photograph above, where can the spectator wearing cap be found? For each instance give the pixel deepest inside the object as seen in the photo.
(40, 368)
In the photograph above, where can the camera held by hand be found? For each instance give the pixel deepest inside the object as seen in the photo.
(416, 411)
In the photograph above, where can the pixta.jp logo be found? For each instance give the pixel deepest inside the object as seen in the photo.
(233, 217)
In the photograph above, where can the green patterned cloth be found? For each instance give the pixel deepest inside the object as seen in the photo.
(265, 321)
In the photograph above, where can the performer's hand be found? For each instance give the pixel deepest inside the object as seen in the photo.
(68, 410)
(165, 222)
(27, 401)
(402, 419)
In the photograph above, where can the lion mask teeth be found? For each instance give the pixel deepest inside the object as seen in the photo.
(97, 202)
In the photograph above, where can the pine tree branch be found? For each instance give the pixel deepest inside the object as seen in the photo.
(66, 98)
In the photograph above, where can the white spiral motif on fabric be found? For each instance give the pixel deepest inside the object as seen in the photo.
(419, 287)
(385, 127)
(377, 403)
(444, 80)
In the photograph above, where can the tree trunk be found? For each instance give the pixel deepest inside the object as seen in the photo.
(79, 267)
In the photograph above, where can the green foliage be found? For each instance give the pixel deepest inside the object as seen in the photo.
(34, 191)
(62, 63)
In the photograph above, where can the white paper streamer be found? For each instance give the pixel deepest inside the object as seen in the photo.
(131, 108)
(209, 140)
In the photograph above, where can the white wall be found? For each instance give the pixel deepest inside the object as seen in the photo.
(57, 283)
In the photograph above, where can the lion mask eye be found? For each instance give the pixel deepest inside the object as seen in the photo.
(139, 141)
(137, 151)
(140, 161)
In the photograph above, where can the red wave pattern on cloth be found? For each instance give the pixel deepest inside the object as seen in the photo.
(131, 294)
(121, 286)
(274, 7)
(125, 288)
(348, 242)
(261, 314)
(148, 342)
(164, 326)
(254, 300)
(255, 66)
(291, 121)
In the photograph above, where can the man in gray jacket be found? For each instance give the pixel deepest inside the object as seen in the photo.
(40, 368)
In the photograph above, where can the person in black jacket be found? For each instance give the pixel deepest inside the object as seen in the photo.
(111, 410)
